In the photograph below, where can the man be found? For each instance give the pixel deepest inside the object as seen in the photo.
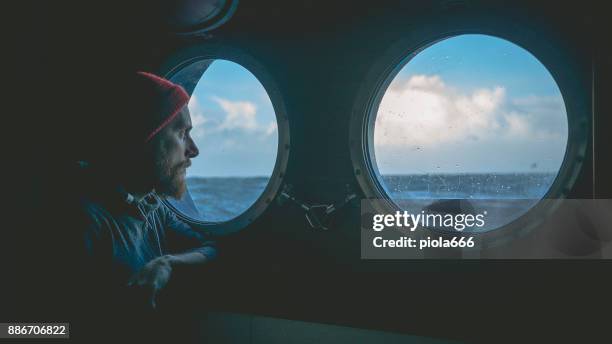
(132, 241)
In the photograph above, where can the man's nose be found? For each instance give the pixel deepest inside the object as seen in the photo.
(192, 149)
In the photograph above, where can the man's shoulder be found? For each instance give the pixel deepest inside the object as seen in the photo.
(92, 214)
(162, 208)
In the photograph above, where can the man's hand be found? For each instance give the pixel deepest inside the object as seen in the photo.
(153, 277)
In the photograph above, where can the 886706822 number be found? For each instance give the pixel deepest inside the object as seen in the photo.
(34, 330)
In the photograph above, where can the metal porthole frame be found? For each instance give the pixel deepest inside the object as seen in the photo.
(220, 18)
(391, 61)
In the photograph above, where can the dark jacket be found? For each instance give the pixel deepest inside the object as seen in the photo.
(124, 235)
(117, 238)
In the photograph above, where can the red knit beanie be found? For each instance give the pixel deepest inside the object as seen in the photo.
(161, 99)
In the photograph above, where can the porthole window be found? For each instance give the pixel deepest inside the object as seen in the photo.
(469, 117)
(236, 129)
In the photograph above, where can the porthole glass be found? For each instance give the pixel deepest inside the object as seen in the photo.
(471, 117)
(235, 128)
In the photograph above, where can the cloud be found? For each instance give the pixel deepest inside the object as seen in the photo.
(236, 119)
(198, 120)
(542, 112)
(239, 114)
(424, 111)
(518, 126)
(242, 116)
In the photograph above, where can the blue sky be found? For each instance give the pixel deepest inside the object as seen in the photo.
(476, 61)
(471, 103)
(234, 124)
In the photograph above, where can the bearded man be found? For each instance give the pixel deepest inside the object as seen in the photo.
(132, 240)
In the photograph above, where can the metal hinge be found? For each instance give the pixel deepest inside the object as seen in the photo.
(317, 215)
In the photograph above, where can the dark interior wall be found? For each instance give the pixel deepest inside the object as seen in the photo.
(73, 56)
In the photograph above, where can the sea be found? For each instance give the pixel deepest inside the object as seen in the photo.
(221, 199)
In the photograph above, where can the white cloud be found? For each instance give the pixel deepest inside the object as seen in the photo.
(239, 114)
(198, 120)
(518, 126)
(235, 116)
(242, 116)
(424, 111)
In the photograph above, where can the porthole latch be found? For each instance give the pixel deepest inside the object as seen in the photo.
(318, 216)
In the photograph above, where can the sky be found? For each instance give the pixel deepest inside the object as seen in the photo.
(471, 104)
(234, 125)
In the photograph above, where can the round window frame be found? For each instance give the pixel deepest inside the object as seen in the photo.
(188, 57)
(223, 16)
(391, 61)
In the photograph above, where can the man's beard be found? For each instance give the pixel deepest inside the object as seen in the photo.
(170, 179)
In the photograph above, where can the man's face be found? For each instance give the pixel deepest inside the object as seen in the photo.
(173, 149)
